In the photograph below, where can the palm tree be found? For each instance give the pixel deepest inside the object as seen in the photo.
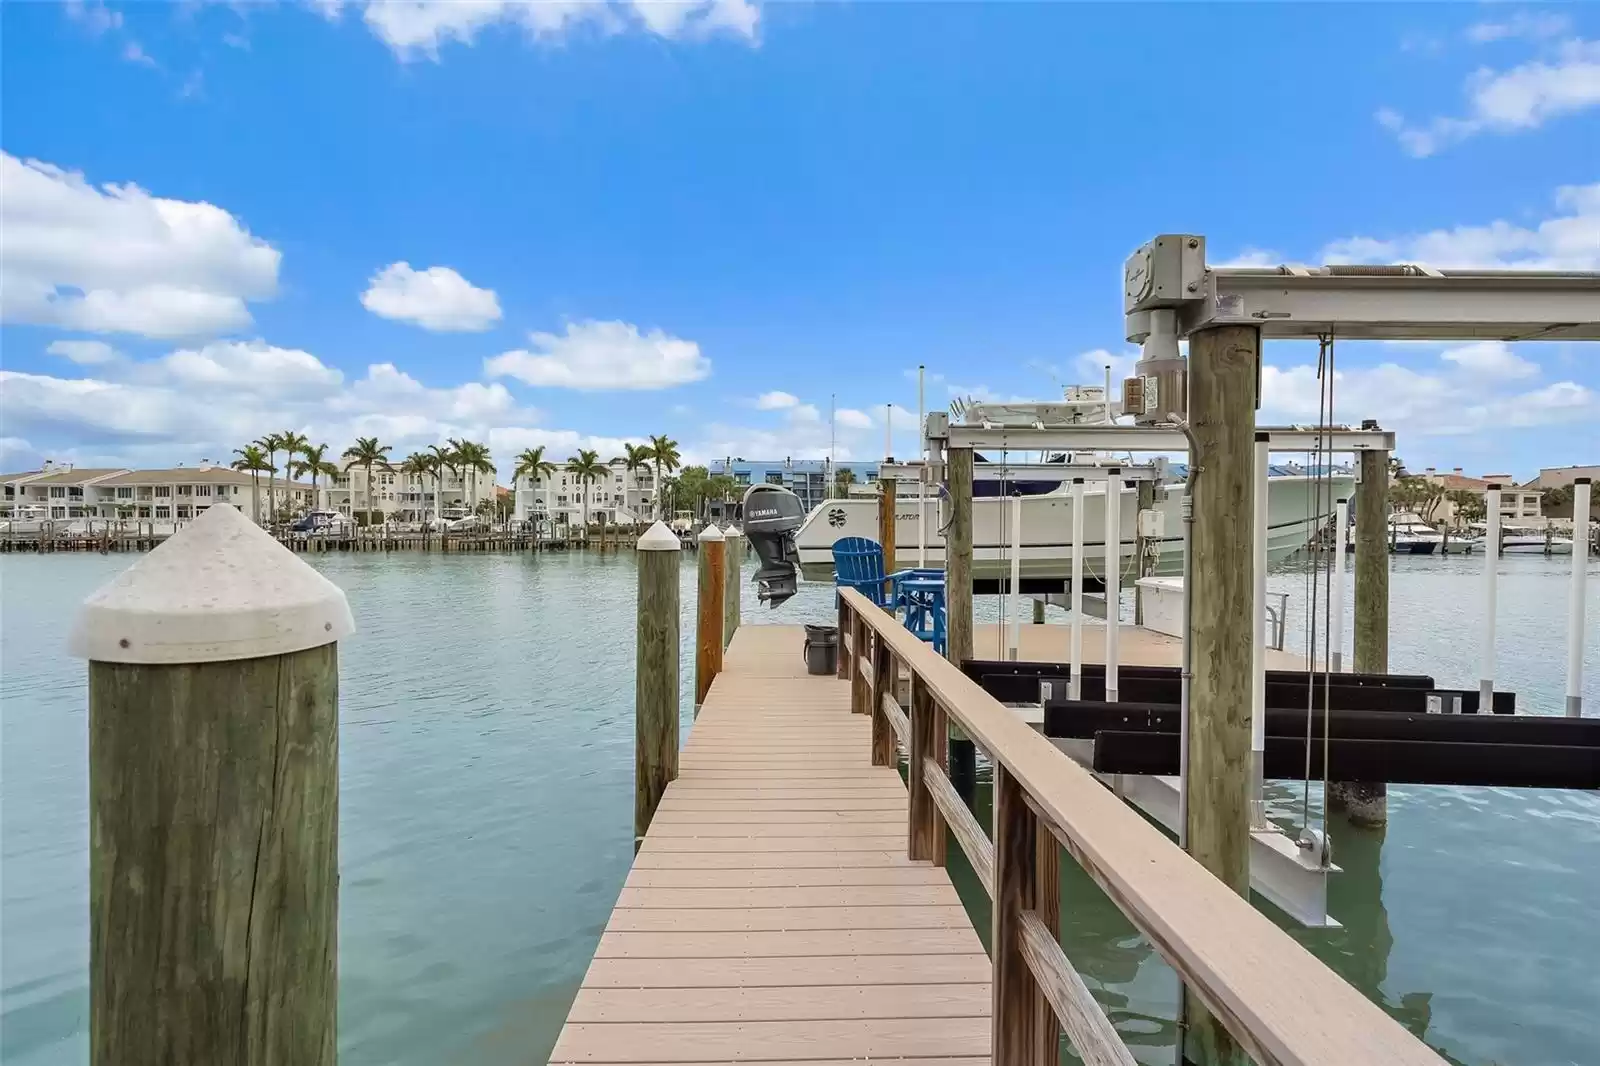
(272, 443)
(367, 453)
(292, 444)
(635, 457)
(844, 479)
(664, 450)
(253, 459)
(532, 465)
(588, 468)
(317, 465)
(474, 459)
(418, 465)
(443, 459)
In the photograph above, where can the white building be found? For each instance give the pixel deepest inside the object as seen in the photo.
(404, 497)
(620, 497)
(61, 492)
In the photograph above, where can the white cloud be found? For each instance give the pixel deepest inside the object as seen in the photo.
(776, 401)
(420, 27)
(116, 259)
(85, 353)
(437, 298)
(206, 401)
(134, 53)
(1531, 25)
(850, 418)
(596, 356)
(1091, 366)
(1522, 98)
(1467, 394)
(95, 16)
(1568, 241)
(1491, 359)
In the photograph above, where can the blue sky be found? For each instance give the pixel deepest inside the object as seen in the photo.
(572, 224)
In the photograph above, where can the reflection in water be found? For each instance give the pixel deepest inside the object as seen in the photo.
(486, 757)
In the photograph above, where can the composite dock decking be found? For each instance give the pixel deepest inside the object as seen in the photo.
(771, 914)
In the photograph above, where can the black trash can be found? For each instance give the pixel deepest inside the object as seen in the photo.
(822, 650)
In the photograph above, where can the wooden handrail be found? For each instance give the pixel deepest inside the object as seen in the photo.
(1274, 997)
(897, 720)
(963, 826)
(1092, 1035)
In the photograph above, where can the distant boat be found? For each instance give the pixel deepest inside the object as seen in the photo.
(1518, 540)
(1410, 535)
(322, 523)
(1047, 526)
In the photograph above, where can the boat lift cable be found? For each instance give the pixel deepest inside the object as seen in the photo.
(1319, 478)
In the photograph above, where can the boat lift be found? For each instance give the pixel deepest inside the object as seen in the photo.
(1170, 294)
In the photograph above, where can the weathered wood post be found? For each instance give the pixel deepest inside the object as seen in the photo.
(708, 622)
(655, 716)
(886, 505)
(958, 558)
(732, 588)
(1366, 803)
(929, 738)
(1222, 398)
(214, 802)
(958, 604)
(1026, 881)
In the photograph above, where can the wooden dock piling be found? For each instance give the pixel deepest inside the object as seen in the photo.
(655, 717)
(733, 557)
(886, 525)
(709, 612)
(1222, 396)
(214, 798)
(1366, 803)
(958, 558)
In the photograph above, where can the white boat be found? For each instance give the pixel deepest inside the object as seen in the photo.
(1410, 535)
(1517, 540)
(1047, 527)
(323, 523)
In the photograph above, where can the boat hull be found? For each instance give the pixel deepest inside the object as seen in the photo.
(1047, 529)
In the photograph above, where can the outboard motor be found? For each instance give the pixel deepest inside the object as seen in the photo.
(772, 515)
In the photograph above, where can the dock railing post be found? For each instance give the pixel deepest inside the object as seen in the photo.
(1366, 803)
(214, 802)
(1581, 491)
(929, 740)
(845, 667)
(655, 731)
(1223, 363)
(732, 587)
(884, 752)
(709, 616)
(1026, 879)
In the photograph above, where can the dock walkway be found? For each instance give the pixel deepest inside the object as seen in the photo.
(771, 913)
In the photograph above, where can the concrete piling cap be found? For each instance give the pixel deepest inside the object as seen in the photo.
(658, 538)
(220, 588)
(711, 534)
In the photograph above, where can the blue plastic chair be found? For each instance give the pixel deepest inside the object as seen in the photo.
(858, 564)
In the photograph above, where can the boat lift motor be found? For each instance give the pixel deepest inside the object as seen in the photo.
(772, 516)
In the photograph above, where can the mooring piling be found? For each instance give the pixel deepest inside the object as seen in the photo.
(655, 716)
(214, 800)
(709, 613)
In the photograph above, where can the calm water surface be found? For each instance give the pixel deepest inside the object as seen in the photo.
(486, 810)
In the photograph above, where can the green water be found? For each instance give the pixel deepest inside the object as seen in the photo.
(486, 810)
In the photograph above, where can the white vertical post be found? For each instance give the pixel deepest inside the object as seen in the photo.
(1491, 562)
(1112, 578)
(1258, 631)
(1075, 684)
(922, 476)
(1580, 574)
(888, 436)
(1341, 536)
(1016, 577)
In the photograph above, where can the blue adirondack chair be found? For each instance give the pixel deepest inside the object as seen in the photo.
(858, 564)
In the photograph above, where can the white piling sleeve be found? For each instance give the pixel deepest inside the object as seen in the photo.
(1491, 562)
(922, 478)
(1341, 540)
(1113, 577)
(1580, 575)
(1258, 628)
(1075, 684)
(1016, 577)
